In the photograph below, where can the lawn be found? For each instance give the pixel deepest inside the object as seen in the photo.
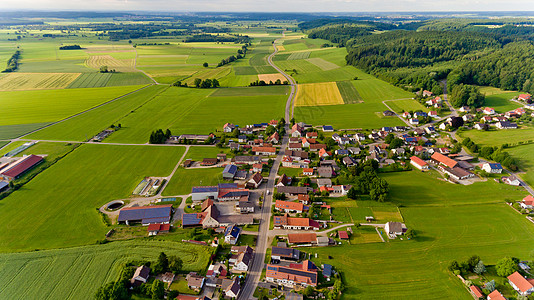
(184, 179)
(291, 172)
(499, 137)
(201, 152)
(28, 107)
(525, 155)
(501, 102)
(399, 106)
(85, 126)
(80, 271)
(62, 200)
(315, 94)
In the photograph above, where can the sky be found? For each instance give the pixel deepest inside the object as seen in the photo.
(270, 5)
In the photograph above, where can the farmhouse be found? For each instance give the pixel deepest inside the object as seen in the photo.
(523, 286)
(285, 253)
(250, 160)
(209, 162)
(528, 202)
(418, 163)
(146, 214)
(255, 181)
(524, 97)
(229, 172)
(194, 281)
(287, 222)
(492, 167)
(244, 205)
(210, 217)
(489, 111)
(296, 130)
(317, 147)
(325, 171)
(458, 173)
(289, 207)
(264, 150)
(326, 182)
(304, 274)
(283, 181)
(511, 180)
(301, 238)
(231, 194)
(297, 155)
(140, 276)
(21, 166)
(394, 229)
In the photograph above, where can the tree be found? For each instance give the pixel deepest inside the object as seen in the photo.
(157, 289)
(352, 193)
(172, 294)
(506, 266)
(308, 291)
(197, 82)
(215, 83)
(175, 264)
(389, 138)
(490, 285)
(162, 265)
(453, 265)
(104, 69)
(480, 268)
(205, 65)
(473, 261)
(410, 233)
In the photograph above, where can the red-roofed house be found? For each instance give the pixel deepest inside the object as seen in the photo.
(522, 285)
(155, 228)
(524, 97)
(301, 238)
(323, 153)
(307, 171)
(528, 202)
(288, 206)
(264, 150)
(443, 160)
(489, 111)
(476, 292)
(496, 295)
(343, 235)
(418, 163)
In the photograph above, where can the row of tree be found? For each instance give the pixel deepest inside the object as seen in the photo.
(263, 83)
(13, 62)
(70, 47)
(159, 137)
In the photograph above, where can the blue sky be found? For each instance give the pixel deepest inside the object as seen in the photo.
(272, 5)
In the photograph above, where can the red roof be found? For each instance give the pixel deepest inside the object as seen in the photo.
(343, 235)
(496, 295)
(159, 227)
(289, 205)
(444, 160)
(528, 200)
(264, 149)
(520, 282)
(22, 166)
(418, 161)
(301, 237)
(476, 291)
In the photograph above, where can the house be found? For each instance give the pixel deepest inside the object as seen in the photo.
(476, 292)
(465, 109)
(388, 113)
(420, 114)
(194, 281)
(307, 171)
(342, 152)
(146, 214)
(234, 146)
(140, 276)
(283, 181)
(287, 222)
(304, 199)
(486, 119)
(242, 138)
(496, 295)
(458, 173)
(325, 171)
(522, 285)
(406, 115)
(349, 161)
(232, 234)
(317, 147)
(328, 128)
(231, 194)
(323, 153)
(243, 259)
(294, 190)
(418, 163)
(468, 117)
(256, 168)
(264, 150)
(524, 97)
(296, 130)
(228, 127)
(499, 119)
(414, 121)
(294, 146)
(244, 206)
(430, 129)
(528, 202)
(255, 181)
(343, 235)
(511, 180)
(289, 207)
(427, 93)
(155, 228)
(199, 193)
(274, 138)
(250, 160)
(394, 229)
(304, 274)
(492, 167)
(20, 167)
(229, 172)
(481, 126)
(443, 160)
(221, 157)
(488, 111)
(506, 125)
(279, 253)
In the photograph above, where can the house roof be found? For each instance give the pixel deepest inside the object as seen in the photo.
(146, 214)
(192, 219)
(232, 193)
(289, 205)
(529, 200)
(142, 271)
(307, 170)
(324, 181)
(257, 178)
(394, 226)
(444, 160)
(203, 189)
(232, 169)
(327, 270)
(328, 127)
(418, 161)
(496, 166)
(285, 252)
(158, 227)
(476, 291)
(293, 189)
(297, 238)
(496, 295)
(317, 146)
(227, 186)
(343, 235)
(233, 231)
(264, 149)
(21, 166)
(520, 282)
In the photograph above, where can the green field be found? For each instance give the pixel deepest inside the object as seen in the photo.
(299, 55)
(27, 107)
(399, 106)
(92, 80)
(13, 131)
(499, 137)
(79, 272)
(184, 179)
(197, 153)
(501, 102)
(348, 92)
(62, 200)
(525, 155)
(85, 126)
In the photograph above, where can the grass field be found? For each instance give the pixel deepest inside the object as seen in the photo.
(25, 107)
(199, 153)
(489, 90)
(62, 200)
(184, 179)
(315, 94)
(323, 64)
(246, 70)
(348, 92)
(499, 137)
(80, 271)
(399, 106)
(90, 80)
(525, 155)
(501, 102)
(36, 81)
(299, 55)
(13, 131)
(85, 126)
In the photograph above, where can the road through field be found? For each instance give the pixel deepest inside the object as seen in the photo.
(292, 83)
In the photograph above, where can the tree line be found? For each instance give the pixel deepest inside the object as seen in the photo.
(493, 153)
(13, 62)
(159, 137)
(240, 54)
(238, 39)
(70, 47)
(263, 83)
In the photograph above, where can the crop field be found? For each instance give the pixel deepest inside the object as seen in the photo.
(90, 80)
(191, 111)
(85, 126)
(62, 199)
(280, 48)
(315, 94)
(55, 66)
(399, 106)
(154, 60)
(499, 137)
(348, 92)
(36, 81)
(217, 73)
(251, 91)
(323, 64)
(13, 131)
(272, 77)
(184, 179)
(121, 65)
(24, 107)
(80, 271)
(501, 102)
(247, 70)
(299, 55)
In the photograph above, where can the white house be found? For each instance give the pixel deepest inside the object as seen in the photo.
(523, 286)
(492, 167)
(528, 202)
(140, 276)
(418, 163)
(232, 291)
(243, 261)
(232, 234)
(394, 229)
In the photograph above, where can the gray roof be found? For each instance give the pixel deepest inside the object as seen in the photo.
(230, 169)
(286, 252)
(146, 214)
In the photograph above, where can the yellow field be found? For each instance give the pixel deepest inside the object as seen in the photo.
(271, 77)
(316, 94)
(121, 65)
(36, 81)
(280, 48)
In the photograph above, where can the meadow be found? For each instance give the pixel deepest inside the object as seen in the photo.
(91, 80)
(400, 106)
(62, 200)
(498, 137)
(13, 131)
(314, 94)
(26, 107)
(80, 271)
(198, 153)
(348, 92)
(501, 102)
(525, 155)
(86, 125)
(184, 179)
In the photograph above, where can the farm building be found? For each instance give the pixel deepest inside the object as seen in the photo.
(21, 166)
(418, 163)
(458, 173)
(199, 193)
(288, 206)
(146, 214)
(229, 172)
(4, 185)
(343, 235)
(443, 160)
(302, 238)
(285, 253)
(287, 222)
(155, 228)
(294, 190)
(209, 161)
(140, 276)
(394, 229)
(240, 160)
(304, 274)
